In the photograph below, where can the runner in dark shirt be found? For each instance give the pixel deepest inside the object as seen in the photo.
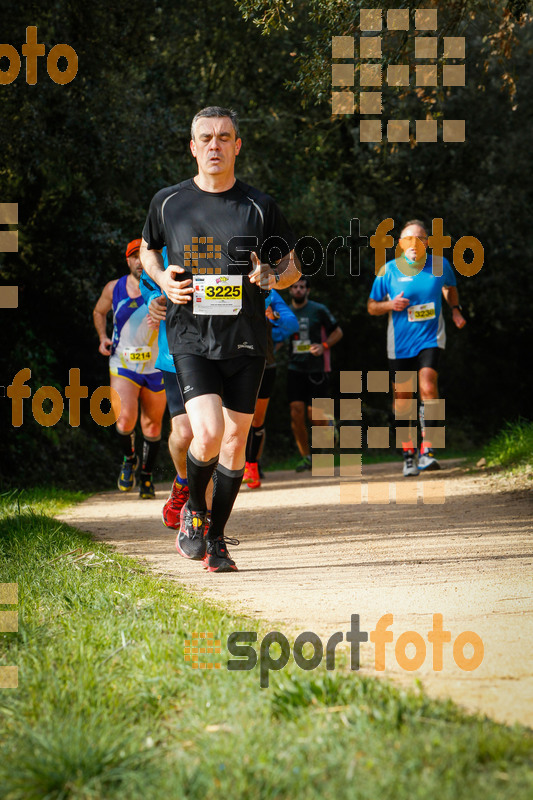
(309, 364)
(226, 243)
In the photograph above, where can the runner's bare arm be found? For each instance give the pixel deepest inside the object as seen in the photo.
(451, 295)
(101, 310)
(334, 337)
(288, 269)
(178, 292)
(152, 262)
(378, 307)
(157, 309)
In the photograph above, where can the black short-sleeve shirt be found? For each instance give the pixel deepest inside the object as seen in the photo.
(315, 322)
(223, 228)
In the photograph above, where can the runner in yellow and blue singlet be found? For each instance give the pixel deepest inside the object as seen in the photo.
(133, 375)
(134, 346)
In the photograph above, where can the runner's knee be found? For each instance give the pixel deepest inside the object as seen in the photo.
(151, 429)
(126, 421)
(428, 389)
(297, 412)
(207, 442)
(181, 432)
(234, 441)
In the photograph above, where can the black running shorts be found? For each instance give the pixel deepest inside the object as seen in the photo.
(236, 380)
(173, 392)
(303, 386)
(267, 384)
(429, 357)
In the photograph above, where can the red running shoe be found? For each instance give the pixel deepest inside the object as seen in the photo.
(247, 473)
(253, 479)
(172, 509)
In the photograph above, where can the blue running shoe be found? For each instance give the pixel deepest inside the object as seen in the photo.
(126, 480)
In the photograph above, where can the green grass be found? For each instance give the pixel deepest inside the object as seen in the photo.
(107, 707)
(512, 447)
(46, 499)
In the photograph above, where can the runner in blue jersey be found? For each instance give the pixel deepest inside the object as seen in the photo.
(282, 324)
(410, 289)
(132, 355)
(181, 431)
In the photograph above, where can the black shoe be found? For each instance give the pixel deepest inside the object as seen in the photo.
(217, 558)
(190, 541)
(305, 464)
(146, 487)
(126, 480)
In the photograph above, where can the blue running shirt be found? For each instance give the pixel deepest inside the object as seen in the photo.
(421, 324)
(150, 290)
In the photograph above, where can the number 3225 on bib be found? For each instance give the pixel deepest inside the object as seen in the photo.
(217, 294)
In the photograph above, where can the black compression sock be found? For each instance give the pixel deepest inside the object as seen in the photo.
(150, 451)
(228, 483)
(127, 442)
(257, 435)
(198, 476)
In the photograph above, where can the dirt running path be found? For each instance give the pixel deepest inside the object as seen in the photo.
(307, 563)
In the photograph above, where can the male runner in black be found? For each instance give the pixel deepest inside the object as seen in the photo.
(309, 364)
(214, 227)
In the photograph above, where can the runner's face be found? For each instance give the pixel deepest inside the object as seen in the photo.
(299, 291)
(214, 146)
(134, 263)
(413, 242)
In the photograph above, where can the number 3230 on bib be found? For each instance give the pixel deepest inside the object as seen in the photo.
(421, 313)
(217, 294)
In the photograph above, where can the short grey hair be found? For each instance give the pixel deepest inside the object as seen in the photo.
(415, 222)
(217, 111)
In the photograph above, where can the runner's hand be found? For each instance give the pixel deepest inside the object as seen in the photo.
(157, 310)
(271, 314)
(316, 349)
(262, 274)
(458, 318)
(105, 346)
(178, 292)
(400, 303)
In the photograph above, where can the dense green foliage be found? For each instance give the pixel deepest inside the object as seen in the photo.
(83, 160)
(108, 708)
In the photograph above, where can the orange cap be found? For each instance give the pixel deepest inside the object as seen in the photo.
(133, 247)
